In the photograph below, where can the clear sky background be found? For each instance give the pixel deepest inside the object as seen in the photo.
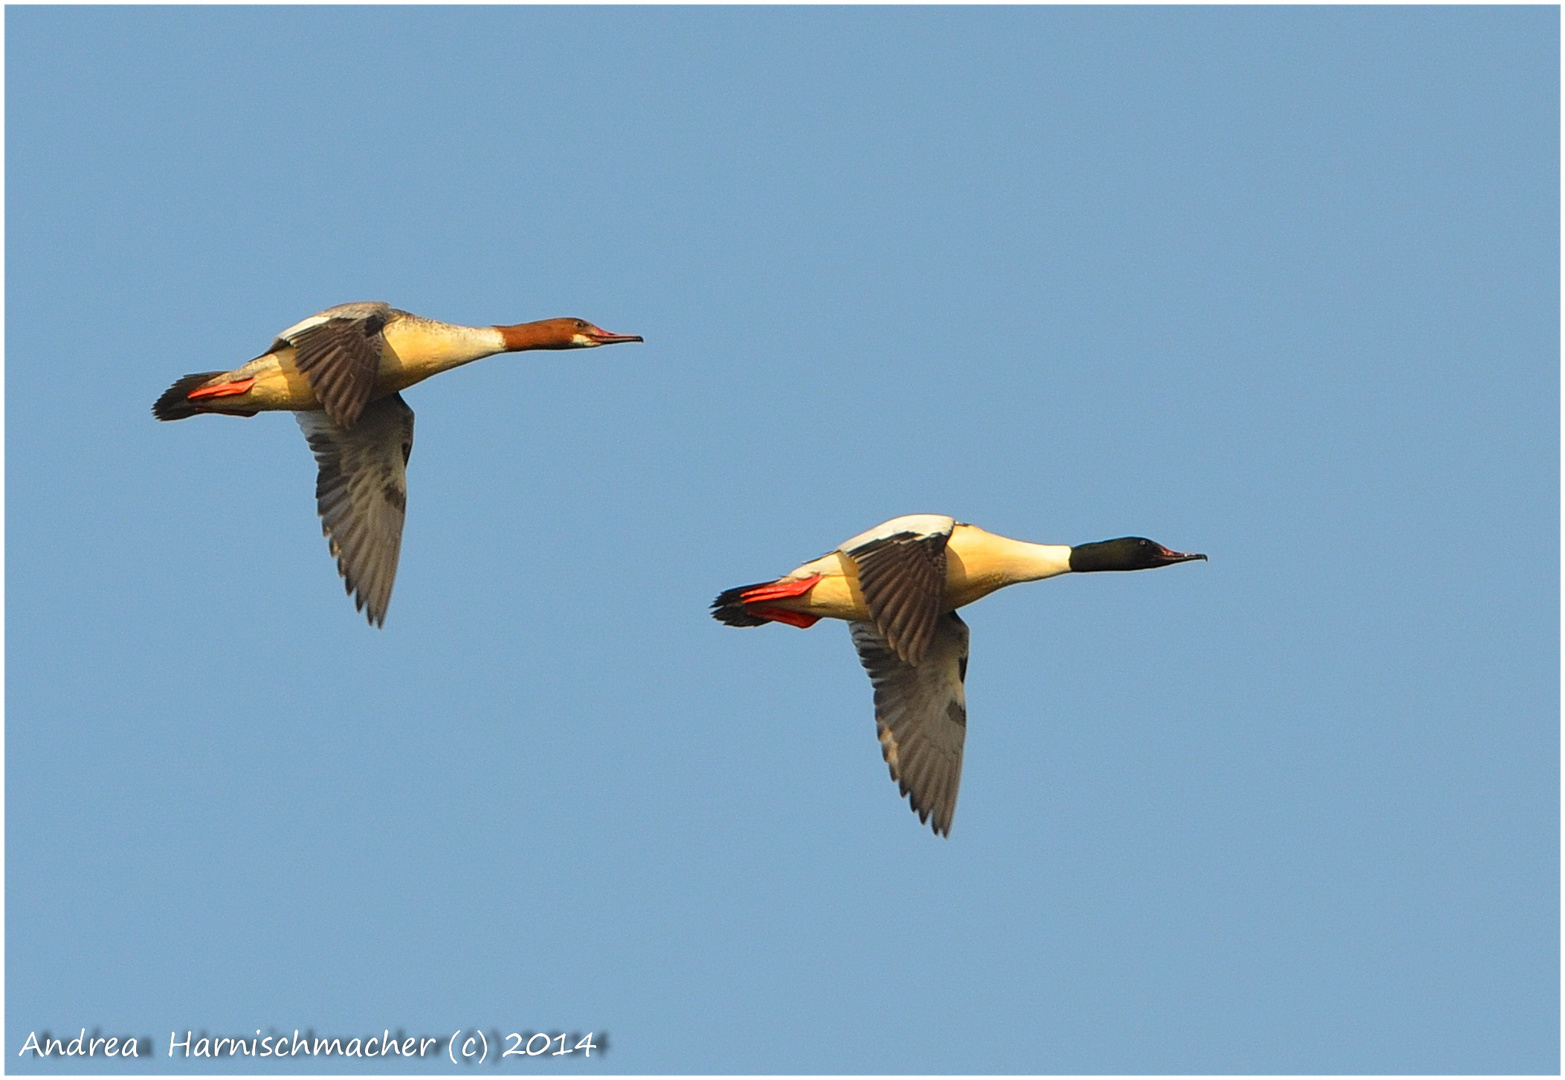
(1278, 285)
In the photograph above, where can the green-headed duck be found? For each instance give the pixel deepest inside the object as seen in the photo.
(898, 587)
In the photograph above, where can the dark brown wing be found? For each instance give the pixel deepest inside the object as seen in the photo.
(361, 492)
(921, 715)
(903, 578)
(339, 352)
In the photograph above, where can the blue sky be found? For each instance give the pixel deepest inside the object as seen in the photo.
(1279, 285)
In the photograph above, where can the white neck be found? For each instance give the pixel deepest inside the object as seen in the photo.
(979, 562)
(1034, 562)
(426, 347)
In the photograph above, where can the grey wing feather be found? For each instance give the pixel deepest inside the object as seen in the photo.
(340, 356)
(921, 715)
(903, 578)
(361, 493)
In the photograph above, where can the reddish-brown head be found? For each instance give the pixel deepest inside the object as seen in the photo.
(559, 334)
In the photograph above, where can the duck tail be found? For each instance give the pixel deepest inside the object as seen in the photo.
(729, 608)
(175, 404)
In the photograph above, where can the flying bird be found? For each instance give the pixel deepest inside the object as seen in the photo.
(898, 586)
(340, 373)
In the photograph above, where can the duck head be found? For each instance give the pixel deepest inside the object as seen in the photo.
(560, 334)
(1126, 553)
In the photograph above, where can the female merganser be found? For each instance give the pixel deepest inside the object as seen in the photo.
(898, 586)
(339, 372)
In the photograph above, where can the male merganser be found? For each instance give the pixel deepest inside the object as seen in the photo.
(339, 372)
(898, 586)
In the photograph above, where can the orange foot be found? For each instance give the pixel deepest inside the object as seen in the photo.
(755, 601)
(227, 389)
(777, 614)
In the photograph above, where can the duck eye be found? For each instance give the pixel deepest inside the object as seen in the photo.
(580, 325)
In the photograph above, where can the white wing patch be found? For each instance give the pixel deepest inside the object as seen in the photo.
(917, 524)
(302, 325)
(358, 309)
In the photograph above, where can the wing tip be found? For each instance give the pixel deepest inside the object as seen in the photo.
(374, 611)
(937, 814)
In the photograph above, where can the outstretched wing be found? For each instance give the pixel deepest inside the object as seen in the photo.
(339, 353)
(921, 714)
(361, 493)
(902, 574)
